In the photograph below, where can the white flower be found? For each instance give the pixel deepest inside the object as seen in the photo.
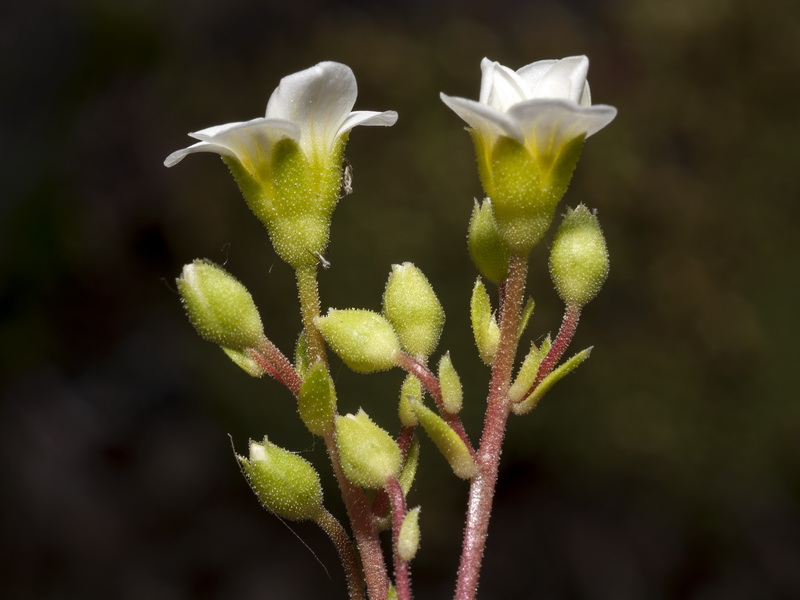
(542, 105)
(312, 107)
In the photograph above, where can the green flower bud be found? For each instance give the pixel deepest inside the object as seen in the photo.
(448, 442)
(525, 185)
(245, 362)
(410, 392)
(413, 309)
(285, 483)
(317, 400)
(484, 325)
(408, 540)
(220, 308)
(487, 248)
(578, 257)
(369, 455)
(363, 339)
(452, 394)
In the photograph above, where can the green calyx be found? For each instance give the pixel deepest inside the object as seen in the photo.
(285, 483)
(294, 197)
(368, 453)
(220, 307)
(411, 306)
(525, 183)
(579, 260)
(316, 402)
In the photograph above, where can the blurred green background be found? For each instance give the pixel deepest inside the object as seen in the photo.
(668, 467)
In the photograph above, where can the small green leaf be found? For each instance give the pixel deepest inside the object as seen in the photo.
(548, 382)
(409, 471)
(317, 400)
(527, 312)
(452, 393)
(245, 362)
(448, 442)
(484, 324)
(301, 361)
(526, 375)
(408, 540)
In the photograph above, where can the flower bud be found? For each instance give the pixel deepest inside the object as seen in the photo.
(369, 455)
(578, 257)
(410, 392)
(448, 442)
(285, 483)
(452, 393)
(484, 325)
(408, 540)
(220, 308)
(487, 248)
(413, 309)
(316, 402)
(363, 339)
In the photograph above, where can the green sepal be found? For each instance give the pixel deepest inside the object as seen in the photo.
(410, 392)
(408, 540)
(488, 250)
(525, 317)
(548, 382)
(448, 442)
(363, 339)
(484, 325)
(410, 465)
(450, 383)
(368, 453)
(526, 375)
(244, 361)
(317, 400)
(285, 483)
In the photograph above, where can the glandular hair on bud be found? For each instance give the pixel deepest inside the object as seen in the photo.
(578, 257)
(285, 483)
(363, 339)
(368, 453)
(219, 306)
(487, 248)
(413, 309)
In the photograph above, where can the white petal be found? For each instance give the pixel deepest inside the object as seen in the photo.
(532, 74)
(488, 121)
(565, 79)
(501, 87)
(367, 117)
(250, 142)
(549, 123)
(177, 156)
(586, 97)
(319, 100)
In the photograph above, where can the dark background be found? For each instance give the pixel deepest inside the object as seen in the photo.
(668, 467)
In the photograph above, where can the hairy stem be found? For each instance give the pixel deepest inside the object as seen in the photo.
(344, 546)
(402, 577)
(358, 510)
(309, 310)
(277, 365)
(569, 324)
(481, 491)
(431, 383)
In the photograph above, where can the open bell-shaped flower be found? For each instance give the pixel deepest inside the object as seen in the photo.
(288, 163)
(528, 127)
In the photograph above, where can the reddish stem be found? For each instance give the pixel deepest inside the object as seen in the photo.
(569, 324)
(369, 546)
(276, 365)
(431, 383)
(481, 493)
(402, 577)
